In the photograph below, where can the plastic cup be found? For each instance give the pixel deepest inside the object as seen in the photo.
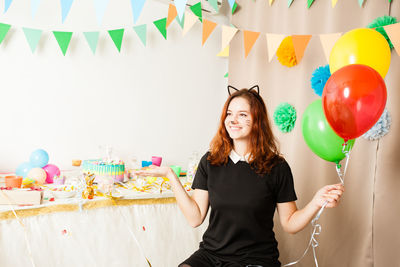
(156, 160)
(13, 181)
(176, 169)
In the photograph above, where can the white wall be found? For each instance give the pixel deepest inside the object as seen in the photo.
(164, 99)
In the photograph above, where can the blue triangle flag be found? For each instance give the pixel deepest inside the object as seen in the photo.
(137, 6)
(65, 8)
(34, 7)
(100, 6)
(7, 4)
(180, 7)
(231, 3)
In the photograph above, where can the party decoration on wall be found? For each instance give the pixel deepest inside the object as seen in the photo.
(32, 37)
(319, 78)
(172, 13)
(273, 42)
(393, 31)
(63, 39)
(116, 36)
(286, 54)
(328, 41)
(161, 26)
(231, 3)
(249, 38)
(378, 24)
(227, 35)
(137, 6)
(180, 7)
(100, 6)
(141, 31)
(190, 20)
(39, 158)
(309, 3)
(34, 7)
(361, 2)
(361, 46)
(380, 129)
(196, 9)
(92, 39)
(289, 3)
(354, 98)
(300, 43)
(334, 2)
(319, 136)
(7, 4)
(208, 28)
(234, 8)
(285, 117)
(4, 28)
(224, 53)
(180, 21)
(65, 8)
(214, 4)
(270, 2)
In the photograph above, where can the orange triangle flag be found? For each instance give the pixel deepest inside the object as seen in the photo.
(250, 39)
(393, 31)
(208, 27)
(300, 43)
(172, 13)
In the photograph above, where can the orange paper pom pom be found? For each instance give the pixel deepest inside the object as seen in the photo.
(286, 54)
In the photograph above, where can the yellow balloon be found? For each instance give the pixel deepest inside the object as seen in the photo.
(361, 46)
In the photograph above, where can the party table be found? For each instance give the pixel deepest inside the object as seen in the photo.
(134, 230)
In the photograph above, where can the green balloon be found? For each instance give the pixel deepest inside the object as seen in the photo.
(319, 135)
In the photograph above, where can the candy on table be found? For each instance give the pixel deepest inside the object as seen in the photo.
(28, 182)
(88, 193)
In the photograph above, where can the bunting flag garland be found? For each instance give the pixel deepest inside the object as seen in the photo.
(137, 6)
(334, 2)
(214, 4)
(34, 7)
(328, 41)
(300, 43)
(393, 31)
(196, 9)
(116, 36)
(309, 3)
(4, 28)
(361, 2)
(190, 20)
(289, 3)
(208, 28)
(180, 7)
(180, 21)
(32, 37)
(92, 39)
(273, 42)
(172, 13)
(100, 6)
(161, 26)
(63, 40)
(7, 4)
(224, 53)
(231, 3)
(270, 2)
(141, 31)
(249, 40)
(65, 8)
(227, 35)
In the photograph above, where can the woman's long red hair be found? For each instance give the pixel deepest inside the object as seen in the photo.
(264, 152)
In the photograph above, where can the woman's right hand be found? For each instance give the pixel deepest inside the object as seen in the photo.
(155, 171)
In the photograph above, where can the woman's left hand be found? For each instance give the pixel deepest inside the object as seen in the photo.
(330, 193)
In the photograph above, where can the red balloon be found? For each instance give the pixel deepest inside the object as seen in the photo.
(353, 100)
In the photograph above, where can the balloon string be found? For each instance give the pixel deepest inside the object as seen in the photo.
(316, 230)
(23, 227)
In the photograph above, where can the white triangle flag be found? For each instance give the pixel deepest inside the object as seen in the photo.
(273, 42)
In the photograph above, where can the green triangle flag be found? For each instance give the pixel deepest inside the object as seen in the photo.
(226, 75)
(214, 4)
(196, 9)
(33, 37)
(289, 3)
(182, 21)
(360, 2)
(63, 39)
(116, 36)
(4, 28)
(92, 38)
(309, 3)
(141, 31)
(234, 7)
(161, 25)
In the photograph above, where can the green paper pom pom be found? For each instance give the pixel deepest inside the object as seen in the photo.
(285, 117)
(379, 22)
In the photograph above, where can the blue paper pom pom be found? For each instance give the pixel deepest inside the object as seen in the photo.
(285, 117)
(319, 78)
(380, 129)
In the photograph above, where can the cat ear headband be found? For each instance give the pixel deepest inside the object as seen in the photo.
(232, 89)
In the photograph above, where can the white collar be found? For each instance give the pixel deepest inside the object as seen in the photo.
(235, 157)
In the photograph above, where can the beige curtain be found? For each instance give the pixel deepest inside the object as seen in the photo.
(363, 230)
